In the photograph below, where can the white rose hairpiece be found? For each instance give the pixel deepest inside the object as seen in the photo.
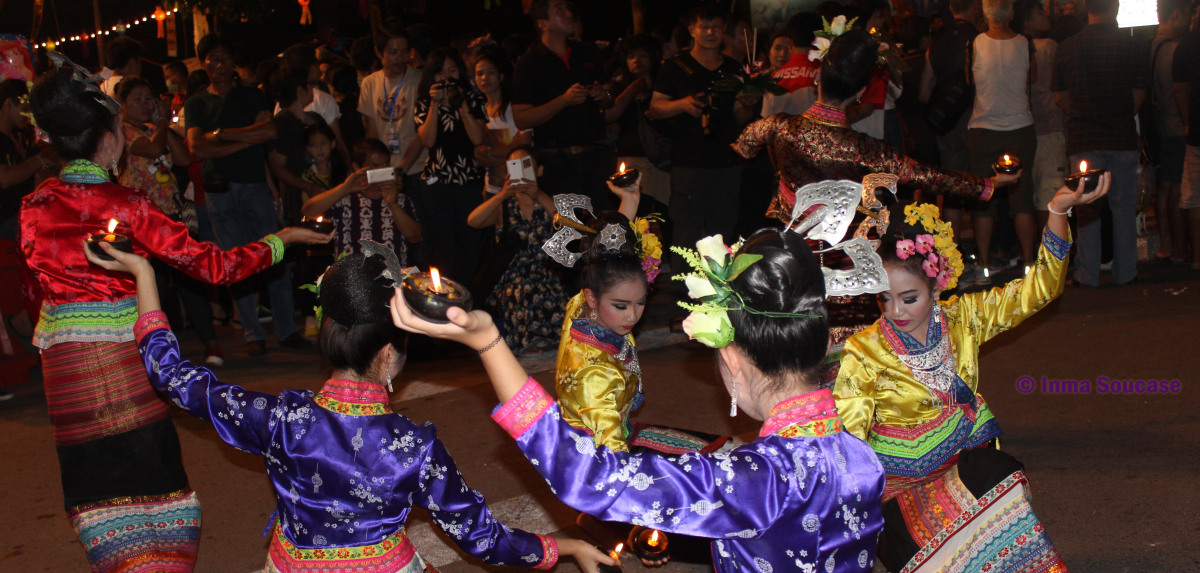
(825, 36)
(716, 265)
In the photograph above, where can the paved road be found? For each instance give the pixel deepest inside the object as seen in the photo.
(1114, 477)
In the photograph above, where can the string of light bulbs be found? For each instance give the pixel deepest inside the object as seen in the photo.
(156, 15)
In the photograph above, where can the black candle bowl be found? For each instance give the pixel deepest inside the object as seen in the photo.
(607, 568)
(646, 552)
(324, 226)
(1010, 169)
(430, 305)
(624, 178)
(1091, 178)
(120, 242)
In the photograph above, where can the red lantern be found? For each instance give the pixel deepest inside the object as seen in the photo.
(305, 15)
(159, 16)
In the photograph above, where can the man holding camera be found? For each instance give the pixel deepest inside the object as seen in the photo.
(705, 175)
(558, 88)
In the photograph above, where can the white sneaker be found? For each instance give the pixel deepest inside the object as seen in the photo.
(215, 358)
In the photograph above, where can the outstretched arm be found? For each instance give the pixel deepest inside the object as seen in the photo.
(195, 389)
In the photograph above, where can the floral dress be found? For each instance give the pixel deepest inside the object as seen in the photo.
(529, 297)
(150, 174)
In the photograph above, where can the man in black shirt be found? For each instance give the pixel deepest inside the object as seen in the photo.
(705, 175)
(1185, 71)
(1099, 80)
(558, 88)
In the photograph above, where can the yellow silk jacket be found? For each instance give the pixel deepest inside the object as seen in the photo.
(881, 401)
(597, 378)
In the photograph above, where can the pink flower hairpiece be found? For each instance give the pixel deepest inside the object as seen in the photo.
(925, 244)
(930, 266)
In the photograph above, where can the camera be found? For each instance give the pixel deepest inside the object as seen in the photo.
(454, 89)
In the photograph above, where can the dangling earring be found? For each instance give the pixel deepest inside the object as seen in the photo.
(389, 383)
(937, 316)
(592, 314)
(113, 165)
(733, 403)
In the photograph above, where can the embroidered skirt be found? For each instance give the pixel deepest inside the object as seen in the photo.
(974, 516)
(123, 481)
(147, 534)
(395, 553)
(97, 389)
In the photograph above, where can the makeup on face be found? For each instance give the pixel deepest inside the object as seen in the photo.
(620, 308)
(909, 301)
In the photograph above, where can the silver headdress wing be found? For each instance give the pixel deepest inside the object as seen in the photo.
(91, 82)
(394, 271)
(571, 228)
(835, 203)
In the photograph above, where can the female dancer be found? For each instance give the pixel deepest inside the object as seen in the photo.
(909, 387)
(597, 374)
(820, 145)
(341, 508)
(117, 448)
(800, 496)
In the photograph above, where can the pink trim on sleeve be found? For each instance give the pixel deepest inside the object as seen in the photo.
(987, 189)
(149, 322)
(549, 551)
(521, 412)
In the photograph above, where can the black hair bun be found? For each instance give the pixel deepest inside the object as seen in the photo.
(353, 293)
(598, 247)
(63, 106)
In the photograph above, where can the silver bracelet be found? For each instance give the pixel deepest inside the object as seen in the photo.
(1051, 209)
(491, 344)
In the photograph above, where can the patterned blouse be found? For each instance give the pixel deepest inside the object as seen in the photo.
(83, 303)
(452, 157)
(356, 217)
(918, 406)
(597, 378)
(150, 174)
(346, 470)
(819, 145)
(804, 495)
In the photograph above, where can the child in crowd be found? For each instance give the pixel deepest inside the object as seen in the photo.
(361, 210)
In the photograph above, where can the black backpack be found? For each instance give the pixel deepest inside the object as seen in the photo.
(951, 97)
(955, 94)
(1148, 114)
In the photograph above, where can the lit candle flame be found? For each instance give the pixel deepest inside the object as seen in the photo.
(319, 218)
(1082, 166)
(437, 279)
(616, 553)
(112, 225)
(1006, 159)
(653, 541)
(622, 169)
(872, 31)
